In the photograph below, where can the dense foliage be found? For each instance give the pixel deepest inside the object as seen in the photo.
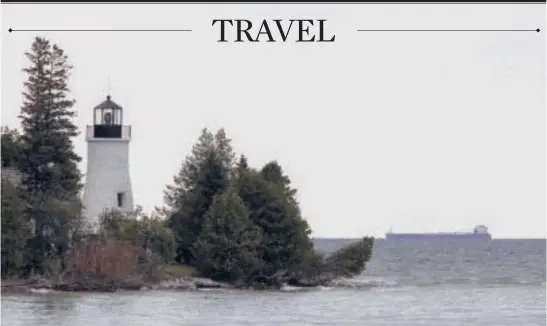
(147, 232)
(223, 218)
(15, 231)
(11, 148)
(226, 248)
(241, 225)
(350, 260)
(204, 174)
(128, 251)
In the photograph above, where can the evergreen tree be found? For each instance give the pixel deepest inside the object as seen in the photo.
(223, 147)
(272, 172)
(204, 173)
(15, 231)
(240, 171)
(244, 226)
(187, 222)
(242, 164)
(187, 177)
(226, 248)
(285, 243)
(48, 161)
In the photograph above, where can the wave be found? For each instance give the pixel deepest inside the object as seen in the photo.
(364, 283)
(290, 288)
(40, 290)
(347, 283)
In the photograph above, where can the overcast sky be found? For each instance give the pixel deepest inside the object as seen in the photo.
(415, 131)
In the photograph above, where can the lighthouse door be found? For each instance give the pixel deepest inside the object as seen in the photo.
(120, 199)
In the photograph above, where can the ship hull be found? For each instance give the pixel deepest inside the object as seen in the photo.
(440, 236)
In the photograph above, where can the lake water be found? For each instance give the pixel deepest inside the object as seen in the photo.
(406, 283)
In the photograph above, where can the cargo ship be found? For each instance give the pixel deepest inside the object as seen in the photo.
(480, 232)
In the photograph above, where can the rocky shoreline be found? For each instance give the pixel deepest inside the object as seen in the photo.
(94, 284)
(99, 285)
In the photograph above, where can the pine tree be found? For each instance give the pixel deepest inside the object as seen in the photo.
(188, 174)
(204, 173)
(223, 147)
(49, 163)
(226, 248)
(285, 243)
(187, 222)
(273, 172)
(187, 177)
(242, 164)
(240, 171)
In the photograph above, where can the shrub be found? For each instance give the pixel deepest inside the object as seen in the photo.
(148, 233)
(111, 258)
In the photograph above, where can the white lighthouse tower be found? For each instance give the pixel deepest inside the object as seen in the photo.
(107, 183)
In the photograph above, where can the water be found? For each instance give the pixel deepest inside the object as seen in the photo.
(415, 283)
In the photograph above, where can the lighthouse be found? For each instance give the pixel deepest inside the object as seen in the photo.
(107, 183)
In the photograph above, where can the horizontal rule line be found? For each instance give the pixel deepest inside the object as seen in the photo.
(286, 3)
(99, 30)
(449, 30)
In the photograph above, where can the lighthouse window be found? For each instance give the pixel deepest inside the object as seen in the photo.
(120, 199)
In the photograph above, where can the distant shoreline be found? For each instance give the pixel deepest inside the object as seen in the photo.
(383, 238)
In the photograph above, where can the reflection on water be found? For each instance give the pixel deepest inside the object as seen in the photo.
(503, 306)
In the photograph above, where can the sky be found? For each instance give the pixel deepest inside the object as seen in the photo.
(414, 131)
